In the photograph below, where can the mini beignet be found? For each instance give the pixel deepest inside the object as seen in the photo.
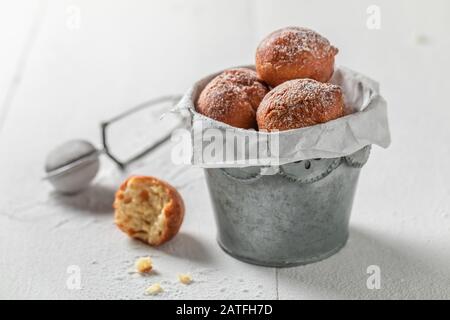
(148, 209)
(294, 53)
(233, 97)
(300, 103)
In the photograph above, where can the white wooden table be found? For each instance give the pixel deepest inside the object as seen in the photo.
(61, 74)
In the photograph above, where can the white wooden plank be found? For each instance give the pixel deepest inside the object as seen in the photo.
(19, 21)
(125, 52)
(400, 219)
(122, 53)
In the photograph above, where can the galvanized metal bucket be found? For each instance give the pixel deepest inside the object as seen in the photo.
(300, 213)
(297, 215)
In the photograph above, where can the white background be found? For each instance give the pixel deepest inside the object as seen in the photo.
(59, 79)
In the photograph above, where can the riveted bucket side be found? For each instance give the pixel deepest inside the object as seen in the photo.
(277, 220)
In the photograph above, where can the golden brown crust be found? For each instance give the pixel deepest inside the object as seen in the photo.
(173, 210)
(174, 213)
(300, 103)
(233, 97)
(294, 53)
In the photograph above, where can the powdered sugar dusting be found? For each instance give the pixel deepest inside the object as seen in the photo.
(300, 103)
(233, 93)
(290, 42)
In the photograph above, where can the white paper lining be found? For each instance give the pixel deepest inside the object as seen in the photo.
(367, 125)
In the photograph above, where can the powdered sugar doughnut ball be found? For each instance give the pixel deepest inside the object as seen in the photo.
(294, 53)
(300, 103)
(148, 209)
(233, 97)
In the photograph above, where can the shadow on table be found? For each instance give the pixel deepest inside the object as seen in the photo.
(408, 275)
(95, 199)
(186, 246)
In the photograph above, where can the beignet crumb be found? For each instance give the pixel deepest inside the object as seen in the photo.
(185, 278)
(154, 289)
(144, 265)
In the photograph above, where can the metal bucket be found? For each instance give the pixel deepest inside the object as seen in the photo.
(296, 216)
